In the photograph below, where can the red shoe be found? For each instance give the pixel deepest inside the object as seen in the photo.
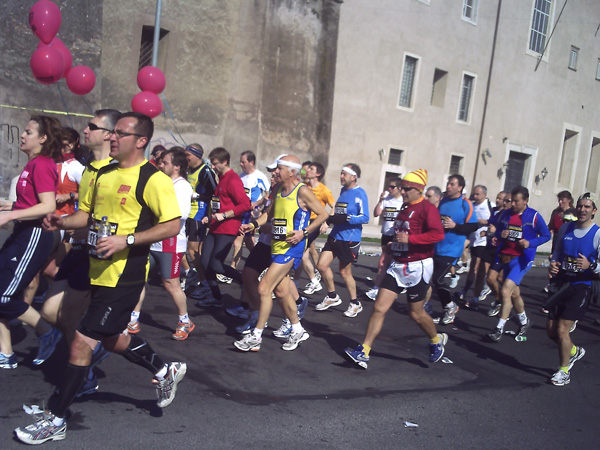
(133, 327)
(183, 330)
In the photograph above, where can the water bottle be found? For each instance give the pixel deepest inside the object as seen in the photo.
(256, 212)
(103, 231)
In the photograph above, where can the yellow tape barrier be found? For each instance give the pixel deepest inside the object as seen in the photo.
(47, 111)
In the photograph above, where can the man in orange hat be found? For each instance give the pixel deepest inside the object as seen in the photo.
(417, 228)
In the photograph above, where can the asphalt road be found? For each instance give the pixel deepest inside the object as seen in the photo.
(491, 395)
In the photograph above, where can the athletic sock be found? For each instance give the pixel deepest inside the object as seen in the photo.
(522, 318)
(573, 350)
(565, 369)
(58, 421)
(332, 294)
(258, 332)
(435, 340)
(314, 280)
(297, 328)
(299, 301)
(366, 349)
(185, 318)
(355, 301)
(135, 317)
(501, 323)
(160, 375)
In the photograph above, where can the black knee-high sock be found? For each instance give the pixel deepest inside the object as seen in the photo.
(72, 381)
(139, 352)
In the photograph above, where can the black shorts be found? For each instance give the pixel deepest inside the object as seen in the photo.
(573, 304)
(487, 254)
(441, 266)
(194, 230)
(259, 258)
(414, 294)
(312, 237)
(345, 251)
(75, 268)
(109, 311)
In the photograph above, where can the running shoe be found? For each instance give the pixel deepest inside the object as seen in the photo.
(89, 386)
(183, 330)
(294, 340)
(459, 296)
(328, 303)
(302, 308)
(8, 362)
(248, 343)
(579, 353)
(495, 309)
(167, 388)
(42, 430)
(224, 279)
(358, 356)
(238, 311)
(463, 269)
(473, 305)
(353, 309)
(48, 343)
(428, 308)
(436, 320)
(573, 326)
(454, 281)
(560, 378)
(197, 291)
(208, 302)
(372, 293)
(311, 288)
(495, 335)
(284, 330)
(249, 325)
(436, 351)
(523, 329)
(450, 311)
(133, 327)
(484, 293)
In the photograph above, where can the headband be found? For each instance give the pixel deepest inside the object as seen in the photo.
(290, 164)
(349, 170)
(194, 151)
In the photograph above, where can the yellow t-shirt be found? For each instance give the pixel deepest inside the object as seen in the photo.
(133, 199)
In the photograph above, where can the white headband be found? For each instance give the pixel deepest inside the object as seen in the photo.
(349, 170)
(290, 164)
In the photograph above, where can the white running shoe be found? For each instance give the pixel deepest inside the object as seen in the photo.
(484, 293)
(353, 309)
(372, 293)
(294, 340)
(311, 288)
(328, 303)
(249, 343)
(454, 281)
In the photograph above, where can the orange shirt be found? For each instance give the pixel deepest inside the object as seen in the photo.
(324, 195)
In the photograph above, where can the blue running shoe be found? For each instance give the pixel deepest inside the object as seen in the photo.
(48, 343)
(302, 308)
(428, 308)
(249, 325)
(436, 351)
(10, 361)
(358, 356)
(238, 311)
(98, 355)
(89, 386)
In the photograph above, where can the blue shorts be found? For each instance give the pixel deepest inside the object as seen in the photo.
(284, 259)
(514, 271)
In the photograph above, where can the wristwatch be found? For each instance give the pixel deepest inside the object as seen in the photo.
(130, 240)
(593, 266)
(224, 216)
(72, 195)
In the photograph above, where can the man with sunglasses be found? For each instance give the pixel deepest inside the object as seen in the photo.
(573, 268)
(417, 227)
(140, 204)
(388, 206)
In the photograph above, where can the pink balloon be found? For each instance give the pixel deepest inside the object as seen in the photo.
(148, 103)
(81, 80)
(57, 44)
(47, 65)
(151, 79)
(45, 20)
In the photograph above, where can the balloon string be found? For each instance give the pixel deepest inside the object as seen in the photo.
(88, 105)
(64, 103)
(173, 118)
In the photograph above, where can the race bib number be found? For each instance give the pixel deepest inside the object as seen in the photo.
(341, 208)
(570, 264)
(92, 238)
(389, 214)
(399, 250)
(514, 233)
(248, 193)
(279, 229)
(215, 204)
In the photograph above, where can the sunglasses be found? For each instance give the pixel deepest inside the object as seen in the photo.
(407, 189)
(121, 134)
(392, 186)
(94, 127)
(507, 200)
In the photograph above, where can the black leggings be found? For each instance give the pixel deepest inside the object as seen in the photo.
(215, 249)
(441, 266)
